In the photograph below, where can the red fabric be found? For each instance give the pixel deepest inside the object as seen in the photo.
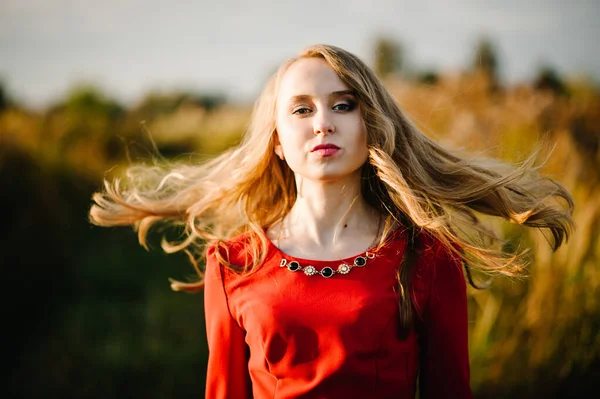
(282, 334)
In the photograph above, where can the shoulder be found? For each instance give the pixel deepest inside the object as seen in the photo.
(238, 252)
(433, 251)
(235, 264)
(437, 265)
(427, 249)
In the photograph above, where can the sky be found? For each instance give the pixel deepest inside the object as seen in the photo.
(130, 47)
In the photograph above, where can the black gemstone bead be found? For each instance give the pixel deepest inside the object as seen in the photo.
(360, 261)
(293, 266)
(327, 272)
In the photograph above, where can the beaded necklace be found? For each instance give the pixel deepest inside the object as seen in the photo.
(343, 268)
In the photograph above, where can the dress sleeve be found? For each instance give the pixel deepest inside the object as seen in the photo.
(445, 369)
(227, 371)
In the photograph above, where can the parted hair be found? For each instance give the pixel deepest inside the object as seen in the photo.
(409, 178)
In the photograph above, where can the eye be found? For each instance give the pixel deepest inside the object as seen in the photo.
(344, 106)
(301, 111)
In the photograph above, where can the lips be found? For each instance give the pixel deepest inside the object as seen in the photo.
(326, 150)
(325, 147)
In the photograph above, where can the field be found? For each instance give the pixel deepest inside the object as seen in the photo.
(92, 314)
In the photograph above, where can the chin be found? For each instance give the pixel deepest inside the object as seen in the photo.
(334, 174)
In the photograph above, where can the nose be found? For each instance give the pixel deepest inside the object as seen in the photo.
(323, 124)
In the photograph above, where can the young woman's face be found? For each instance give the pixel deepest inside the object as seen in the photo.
(319, 125)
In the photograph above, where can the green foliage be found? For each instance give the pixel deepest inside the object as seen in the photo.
(388, 57)
(87, 99)
(486, 59)
(4, 101)
(549, 79)
(428, 77)
(92, 314)
(159, 103)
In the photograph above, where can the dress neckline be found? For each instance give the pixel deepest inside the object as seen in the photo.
(273, 248)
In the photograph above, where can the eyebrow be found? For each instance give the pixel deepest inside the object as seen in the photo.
(335, 94)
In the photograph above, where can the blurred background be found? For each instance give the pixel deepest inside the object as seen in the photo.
(87, 88)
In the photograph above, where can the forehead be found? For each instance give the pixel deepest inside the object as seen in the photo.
(309, 76)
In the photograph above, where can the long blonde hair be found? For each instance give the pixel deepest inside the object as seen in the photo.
(408, 177)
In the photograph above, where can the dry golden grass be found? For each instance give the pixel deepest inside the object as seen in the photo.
(547, 324)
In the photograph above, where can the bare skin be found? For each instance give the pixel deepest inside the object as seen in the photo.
(330, 220)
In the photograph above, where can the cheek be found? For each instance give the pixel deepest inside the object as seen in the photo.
(289, 147)
(292, 136)
(361, 138)
(283, 132)
(287, 139)
(361, 147)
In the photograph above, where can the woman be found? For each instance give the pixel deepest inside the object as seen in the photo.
(337, 235)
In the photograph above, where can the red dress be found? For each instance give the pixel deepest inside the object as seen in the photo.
(283, 334)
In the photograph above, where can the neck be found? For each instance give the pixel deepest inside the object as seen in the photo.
(325, 211)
